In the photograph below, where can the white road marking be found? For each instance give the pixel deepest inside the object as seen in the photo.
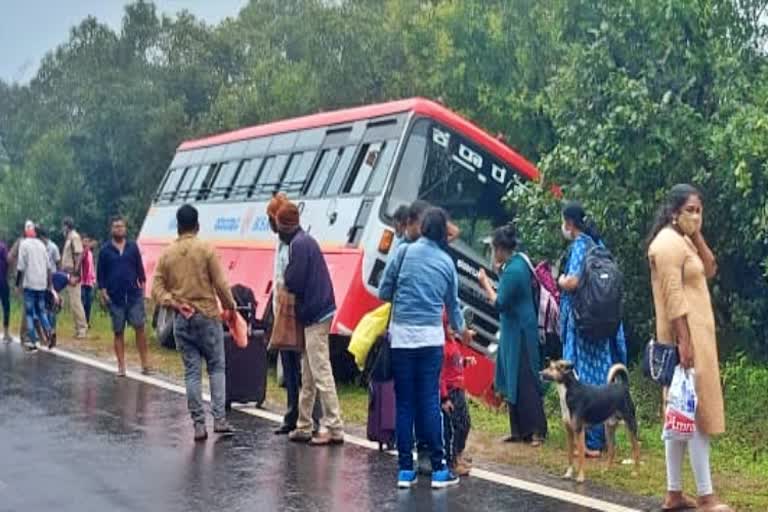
(497, 478)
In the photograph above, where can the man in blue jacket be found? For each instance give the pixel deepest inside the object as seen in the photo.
(307, 277)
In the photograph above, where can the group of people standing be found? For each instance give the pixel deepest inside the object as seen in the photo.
(421, 281)
(45, 276)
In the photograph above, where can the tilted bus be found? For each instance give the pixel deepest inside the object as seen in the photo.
(348, 171)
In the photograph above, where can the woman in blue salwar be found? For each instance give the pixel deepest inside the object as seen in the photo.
(591, 358)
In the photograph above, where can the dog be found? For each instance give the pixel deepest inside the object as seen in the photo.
(583, 406)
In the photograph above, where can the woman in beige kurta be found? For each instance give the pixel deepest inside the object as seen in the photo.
(681, 262)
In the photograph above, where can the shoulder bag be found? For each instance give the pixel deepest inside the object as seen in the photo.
(381, 353)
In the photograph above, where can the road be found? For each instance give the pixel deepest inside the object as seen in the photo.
(74, 437)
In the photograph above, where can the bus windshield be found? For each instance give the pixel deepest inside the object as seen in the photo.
(447, 170)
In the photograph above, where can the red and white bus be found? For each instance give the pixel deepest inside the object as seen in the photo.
(348, 171)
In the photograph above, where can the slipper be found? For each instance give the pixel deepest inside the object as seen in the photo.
(120, 373)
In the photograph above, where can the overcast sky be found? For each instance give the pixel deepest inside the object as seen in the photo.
(30, 28)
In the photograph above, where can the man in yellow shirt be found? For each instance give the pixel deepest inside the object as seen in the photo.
(189, 279)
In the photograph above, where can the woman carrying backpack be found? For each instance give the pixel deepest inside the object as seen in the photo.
(592, 358)
(519, 358)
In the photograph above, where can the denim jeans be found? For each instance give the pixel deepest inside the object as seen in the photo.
(34, 307)
(86, 294)
(198, 338)
(5, 298)
(417, 397)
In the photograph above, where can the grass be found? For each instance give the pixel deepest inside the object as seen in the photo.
(739, 458)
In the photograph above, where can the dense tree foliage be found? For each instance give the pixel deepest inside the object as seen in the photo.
(615, 101)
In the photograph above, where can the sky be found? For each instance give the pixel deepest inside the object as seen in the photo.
(31, 28)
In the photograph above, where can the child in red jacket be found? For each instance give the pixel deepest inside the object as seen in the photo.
(456, 420)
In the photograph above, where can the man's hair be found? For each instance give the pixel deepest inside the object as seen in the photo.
(186, 218)
(417, 210)
(68, 222)
(117, 218)
(41, 231)
(401, 214)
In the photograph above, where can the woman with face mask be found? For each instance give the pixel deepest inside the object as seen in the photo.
(681, 262)
(592, 358)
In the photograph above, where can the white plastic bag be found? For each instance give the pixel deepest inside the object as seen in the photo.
(680, 416)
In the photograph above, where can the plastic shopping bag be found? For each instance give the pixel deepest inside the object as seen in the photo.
(370, 327)
(680, 415)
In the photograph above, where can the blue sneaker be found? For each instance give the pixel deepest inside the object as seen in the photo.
(406, 479)
(443, 479)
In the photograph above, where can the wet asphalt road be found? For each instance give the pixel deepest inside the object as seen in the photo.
(76, 438)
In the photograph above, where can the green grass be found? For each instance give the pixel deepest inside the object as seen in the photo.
(739, 458)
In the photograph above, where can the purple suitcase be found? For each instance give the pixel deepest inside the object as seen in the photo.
(381, 414)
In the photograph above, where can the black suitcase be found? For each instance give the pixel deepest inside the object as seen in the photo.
(246, 373)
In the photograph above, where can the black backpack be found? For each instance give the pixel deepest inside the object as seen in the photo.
(597, 302)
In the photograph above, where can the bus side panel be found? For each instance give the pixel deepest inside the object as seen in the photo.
(252, 267)
(355, 303)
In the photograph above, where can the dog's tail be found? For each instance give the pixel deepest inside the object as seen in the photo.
(618, 373)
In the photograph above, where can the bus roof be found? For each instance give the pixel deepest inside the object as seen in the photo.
(418, 105)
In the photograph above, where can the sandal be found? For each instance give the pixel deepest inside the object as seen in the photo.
(686, 503)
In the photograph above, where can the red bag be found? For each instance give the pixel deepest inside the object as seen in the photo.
(237, 327)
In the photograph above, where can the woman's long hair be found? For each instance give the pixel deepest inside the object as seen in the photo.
(574, 212)
(674, 202)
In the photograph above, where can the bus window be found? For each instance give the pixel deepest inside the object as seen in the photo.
(298, 170)
(325, 164)
(186, 183)
(373, 161)
(202, 185)
(383, 165)
(338, 174)
(408, 176)
(223, 181)
(269, 178)
(168, 192)
(245, 180)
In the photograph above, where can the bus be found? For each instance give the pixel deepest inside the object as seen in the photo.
(348, 171)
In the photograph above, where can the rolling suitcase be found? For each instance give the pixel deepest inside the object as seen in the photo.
(381, 414)
(246, 372)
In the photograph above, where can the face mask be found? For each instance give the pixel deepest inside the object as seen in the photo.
(567, 234)
(690, 223)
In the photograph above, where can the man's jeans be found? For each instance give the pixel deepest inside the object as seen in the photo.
(34, 307)
(198, 338)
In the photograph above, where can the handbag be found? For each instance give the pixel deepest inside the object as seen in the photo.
(381, 367)
(287, 331)
(659, 362)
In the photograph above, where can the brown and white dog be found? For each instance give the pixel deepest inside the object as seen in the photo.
(583, 406)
